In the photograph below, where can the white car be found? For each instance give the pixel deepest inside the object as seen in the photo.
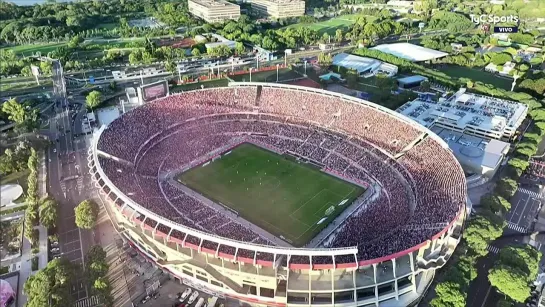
(185, 294)
(54, 149)
(193, 297)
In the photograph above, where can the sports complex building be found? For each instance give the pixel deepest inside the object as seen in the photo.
(214, 10)
(283, 195)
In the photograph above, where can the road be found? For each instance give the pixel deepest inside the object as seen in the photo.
(525, 205)
(69, 180)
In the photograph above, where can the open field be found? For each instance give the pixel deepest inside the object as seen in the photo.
(270, 190)
(476, 74)
(268, 76)
(331, 25)
(28, 50)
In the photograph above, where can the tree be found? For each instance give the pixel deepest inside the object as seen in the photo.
(170, 66)
(500, 58)
(48, 213)
(14, 110)
(506, 187)
(514, 271)
(448, 294)
(86, 214)
(339, 35)
(46, 68)
(101, 284)
(113, 85)
(51, 285)
(481, 231)
(495, 203)
(509, 281)
(93, 99)
(135, 57)
(425, 86)
(525, 258)
(239, 48)
(196, 52)
(75, 41)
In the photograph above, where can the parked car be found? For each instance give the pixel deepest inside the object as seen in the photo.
(145, 299)
(200, 302)
(193, 297)
(185, 294)
(55, 250)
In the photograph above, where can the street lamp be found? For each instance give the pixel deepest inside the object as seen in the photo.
(285, 58)
(277, 65)
(305, 67)
(250, 74)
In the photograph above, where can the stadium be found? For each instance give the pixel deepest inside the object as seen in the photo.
(283, 195)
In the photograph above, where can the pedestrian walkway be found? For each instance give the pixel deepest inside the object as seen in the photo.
(88, 302)
(516, 227)
(493, 249)
(531, 193)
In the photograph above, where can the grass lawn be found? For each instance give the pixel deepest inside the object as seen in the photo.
(476, 75)
(276, 193)
(28, 49)
(195, 86)
(268, 76)
(331, 25)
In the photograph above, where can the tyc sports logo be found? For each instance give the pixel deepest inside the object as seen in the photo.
(485, 20)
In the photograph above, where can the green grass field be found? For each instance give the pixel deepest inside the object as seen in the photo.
(331, 25)
(276, 193)
(27, 50)
(476, 74)
(268, 76)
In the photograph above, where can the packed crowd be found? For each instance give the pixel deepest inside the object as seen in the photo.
(177, 131)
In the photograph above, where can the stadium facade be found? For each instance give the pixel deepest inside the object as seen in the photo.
(277, 274)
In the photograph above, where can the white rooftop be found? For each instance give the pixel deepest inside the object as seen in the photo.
(364, 65)
(473, 152)
(410, 52)
(358, 63)
(107, 115)
(465, 109)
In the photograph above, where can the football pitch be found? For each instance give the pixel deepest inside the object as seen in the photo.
(287, 198)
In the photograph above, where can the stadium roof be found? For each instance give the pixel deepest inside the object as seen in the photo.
(410, 52)
(358, 63)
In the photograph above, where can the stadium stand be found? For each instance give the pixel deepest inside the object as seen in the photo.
(420, 195)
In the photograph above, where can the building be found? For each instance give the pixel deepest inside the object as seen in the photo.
(410, 52)
(504, 69)
(220, 40)
(411, 81)
(214, 10)
(278, 8)
(366, 67)
(481, 116)
(401, 7)
(478, 156)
